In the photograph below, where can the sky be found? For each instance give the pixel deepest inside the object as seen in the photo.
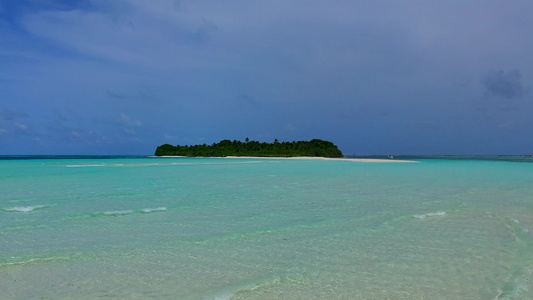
(450, 77)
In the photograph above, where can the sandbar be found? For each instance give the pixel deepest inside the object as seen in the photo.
(363, 160)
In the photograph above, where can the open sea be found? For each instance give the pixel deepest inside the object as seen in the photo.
(223, 228)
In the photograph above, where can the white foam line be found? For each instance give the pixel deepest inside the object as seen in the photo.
(36, 259)
(434, 214)
(84, 166)
(149, 210)
(24, 209)
(117, 212)
(130, 211)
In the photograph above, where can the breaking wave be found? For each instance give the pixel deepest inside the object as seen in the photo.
(84, 166)
(24, 209)
(433, 214)
(131, 211)
(149, 210)
(117, 212)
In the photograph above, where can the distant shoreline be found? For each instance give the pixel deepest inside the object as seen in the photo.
(363, 160)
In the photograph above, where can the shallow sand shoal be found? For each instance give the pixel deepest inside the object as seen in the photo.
(365, 160)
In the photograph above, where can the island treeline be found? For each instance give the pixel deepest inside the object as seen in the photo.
(314, 147)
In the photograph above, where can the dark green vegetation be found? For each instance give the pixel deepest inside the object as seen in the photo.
(252, 148)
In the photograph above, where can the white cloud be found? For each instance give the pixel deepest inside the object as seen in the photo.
(128, 121)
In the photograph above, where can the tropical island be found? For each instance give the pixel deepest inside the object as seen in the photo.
(315, 147)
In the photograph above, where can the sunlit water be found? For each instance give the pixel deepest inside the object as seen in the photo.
(181, 228)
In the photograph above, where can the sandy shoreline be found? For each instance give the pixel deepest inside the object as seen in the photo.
(364, 160)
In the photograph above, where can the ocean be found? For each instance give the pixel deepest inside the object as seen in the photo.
(224, 228)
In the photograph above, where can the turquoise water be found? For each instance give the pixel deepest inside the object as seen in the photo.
(205, 228)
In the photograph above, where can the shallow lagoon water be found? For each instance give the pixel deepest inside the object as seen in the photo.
(206, 228)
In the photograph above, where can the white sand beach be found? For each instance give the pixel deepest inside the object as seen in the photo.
(364, 160)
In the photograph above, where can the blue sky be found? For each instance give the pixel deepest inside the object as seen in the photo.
(373, 77)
